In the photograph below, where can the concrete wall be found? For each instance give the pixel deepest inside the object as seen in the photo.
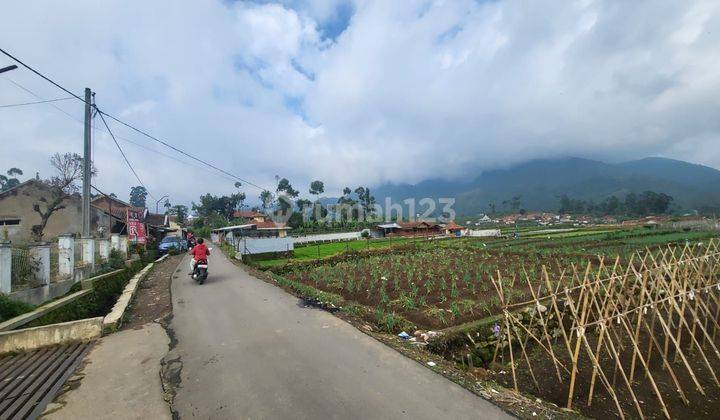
(48, 335)
(38, 295)
(250, 246)
(483, 233)
(326, 237)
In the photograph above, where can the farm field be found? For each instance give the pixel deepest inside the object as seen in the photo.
(438, 284)
(313, 252)
(462, 287)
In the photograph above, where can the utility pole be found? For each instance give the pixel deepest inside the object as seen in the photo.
(87, 165)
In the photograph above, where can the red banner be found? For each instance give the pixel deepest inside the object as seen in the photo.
(136, 227)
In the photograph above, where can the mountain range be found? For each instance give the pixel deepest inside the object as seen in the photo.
(540, 183)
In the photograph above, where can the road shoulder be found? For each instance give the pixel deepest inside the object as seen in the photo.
(120, 377)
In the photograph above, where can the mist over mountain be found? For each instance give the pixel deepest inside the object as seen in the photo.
(540, 183)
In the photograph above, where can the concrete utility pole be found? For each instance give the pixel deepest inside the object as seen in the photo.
(87, 166)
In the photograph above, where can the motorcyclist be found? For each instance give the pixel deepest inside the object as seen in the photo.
(199, 252)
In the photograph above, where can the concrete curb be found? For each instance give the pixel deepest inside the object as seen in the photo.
(87, 329)
(113, 320)
(23, 319)
(88, 283)
(162, 258)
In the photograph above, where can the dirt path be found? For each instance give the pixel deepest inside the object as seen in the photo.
(153, 300)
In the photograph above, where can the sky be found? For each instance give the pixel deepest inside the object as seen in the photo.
(356, 92)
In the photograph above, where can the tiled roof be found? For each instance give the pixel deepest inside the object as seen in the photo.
(247, 214)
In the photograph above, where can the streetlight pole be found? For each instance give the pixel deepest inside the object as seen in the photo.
(157, 203)
(8, 68)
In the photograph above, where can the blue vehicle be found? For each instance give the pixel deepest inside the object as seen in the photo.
(172, 242)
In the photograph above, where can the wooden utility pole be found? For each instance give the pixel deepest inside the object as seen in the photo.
(87, 165)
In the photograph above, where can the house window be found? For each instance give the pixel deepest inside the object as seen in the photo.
(9, 222)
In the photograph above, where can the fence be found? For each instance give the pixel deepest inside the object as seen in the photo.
(636, 333)
(78, 254)
(54, 263)
(24, 267)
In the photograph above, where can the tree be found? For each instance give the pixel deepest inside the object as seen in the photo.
(346, 205)
(138, 196)
(317, 187)
(180, 211)
(222, 206)
(303, 203)
(284, 187)
(266, 199)
(10, 181)
(367, 201)
(167, 205)
(69, 167)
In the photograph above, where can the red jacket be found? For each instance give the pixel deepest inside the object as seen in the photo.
(200, 252)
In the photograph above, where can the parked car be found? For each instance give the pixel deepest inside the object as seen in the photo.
(172, 242)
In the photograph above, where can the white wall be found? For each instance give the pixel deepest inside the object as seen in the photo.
(326, 237)
(249, 246)
(483, 233)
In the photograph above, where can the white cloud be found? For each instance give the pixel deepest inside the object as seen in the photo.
(408, 90)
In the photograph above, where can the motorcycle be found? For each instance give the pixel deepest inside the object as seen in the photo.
(200, 272)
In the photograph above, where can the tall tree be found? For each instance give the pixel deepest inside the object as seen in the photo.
(346, 205)
(285, 188)
(10, 181)
(138, 196)
(223, 206)
(69, 170)
(317, 187)
(180, 211)
(266, 199)
(366, 200)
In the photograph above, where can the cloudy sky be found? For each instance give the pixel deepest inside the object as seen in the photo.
(359, 92)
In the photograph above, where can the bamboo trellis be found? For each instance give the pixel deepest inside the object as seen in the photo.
(662, 306)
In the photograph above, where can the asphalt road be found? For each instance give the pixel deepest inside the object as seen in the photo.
(249, 350)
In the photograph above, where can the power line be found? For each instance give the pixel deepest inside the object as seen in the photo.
(123, 153)
(180, 151)
(34, 103)
(42, 75)
(130, 126)
(100, 130)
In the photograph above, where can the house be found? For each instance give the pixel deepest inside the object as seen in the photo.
(17, 216)
(250, 216)
(418, 228)
(265, 229)
(115, 212)
(484, 219)
(453, 229)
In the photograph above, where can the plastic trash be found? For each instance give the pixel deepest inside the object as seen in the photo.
(431, 364)
(404, 335)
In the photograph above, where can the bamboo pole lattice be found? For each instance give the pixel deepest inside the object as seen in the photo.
(621, 326)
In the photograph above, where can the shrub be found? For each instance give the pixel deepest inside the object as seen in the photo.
(10, 308)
